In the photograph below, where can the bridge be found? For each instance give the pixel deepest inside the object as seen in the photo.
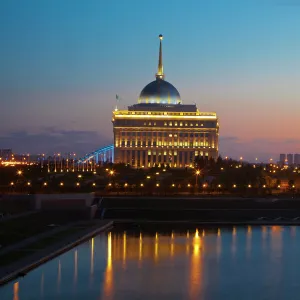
(104, 154)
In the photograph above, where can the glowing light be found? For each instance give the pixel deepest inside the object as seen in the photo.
(16, 291)
(142, 184)
(45, 184)
(12, 183)
(79, 176)
(94, 184)
(234, 186)
(198, 172)
(249, 186)
(19, 172)
(28, 183)
(157, 184)
(77, 184)
(61, 184)
(109, 184)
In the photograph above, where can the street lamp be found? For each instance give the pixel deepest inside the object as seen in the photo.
(197, 174)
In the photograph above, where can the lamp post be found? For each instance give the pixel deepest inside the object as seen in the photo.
(197, 174)
(74, 162)
(54, 162)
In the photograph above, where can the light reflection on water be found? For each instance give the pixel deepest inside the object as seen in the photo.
(220, 263)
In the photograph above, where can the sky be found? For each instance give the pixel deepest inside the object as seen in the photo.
(63, 62)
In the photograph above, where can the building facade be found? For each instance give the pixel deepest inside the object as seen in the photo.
(290, 159)
(297, 159)
(159, 130)
(282, 158)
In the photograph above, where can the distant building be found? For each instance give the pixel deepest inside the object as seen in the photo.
(290, 159)
(282, 158)
(6, 154)
(297, 159)
(160, 130)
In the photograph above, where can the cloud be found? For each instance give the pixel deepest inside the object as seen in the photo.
(51, 140)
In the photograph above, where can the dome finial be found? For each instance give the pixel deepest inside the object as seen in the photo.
(160, 71)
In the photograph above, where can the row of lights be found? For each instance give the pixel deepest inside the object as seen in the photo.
(204, 185)
(46, 184)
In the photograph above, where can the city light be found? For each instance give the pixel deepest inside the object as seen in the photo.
(77, 184)
(61, 184)
(45, 184)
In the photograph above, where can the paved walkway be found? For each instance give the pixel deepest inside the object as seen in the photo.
(32, 261)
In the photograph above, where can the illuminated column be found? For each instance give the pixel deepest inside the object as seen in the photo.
(112, 155)
(151, 161)
(125, 156)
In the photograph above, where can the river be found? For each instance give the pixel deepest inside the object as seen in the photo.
(213, 263)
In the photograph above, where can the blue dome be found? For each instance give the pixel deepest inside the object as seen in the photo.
(159, 91)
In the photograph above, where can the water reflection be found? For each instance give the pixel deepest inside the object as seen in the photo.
(204, 263)
(42, 284)
(195, 267)
(16, 291)
(75, 266)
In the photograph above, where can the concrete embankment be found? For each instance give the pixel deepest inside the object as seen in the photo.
(212, 209)
(23, 266)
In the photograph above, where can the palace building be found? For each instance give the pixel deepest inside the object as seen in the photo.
(161, 130)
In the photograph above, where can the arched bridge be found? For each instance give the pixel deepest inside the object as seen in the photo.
(104, 154)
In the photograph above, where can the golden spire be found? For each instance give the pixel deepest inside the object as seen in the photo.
(160, 71)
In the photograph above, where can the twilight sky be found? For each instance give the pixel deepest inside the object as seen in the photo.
(63, 62)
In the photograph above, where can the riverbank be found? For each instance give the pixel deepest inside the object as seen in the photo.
(42, 255)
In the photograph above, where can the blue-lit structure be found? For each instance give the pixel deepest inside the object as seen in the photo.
(104, 154)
